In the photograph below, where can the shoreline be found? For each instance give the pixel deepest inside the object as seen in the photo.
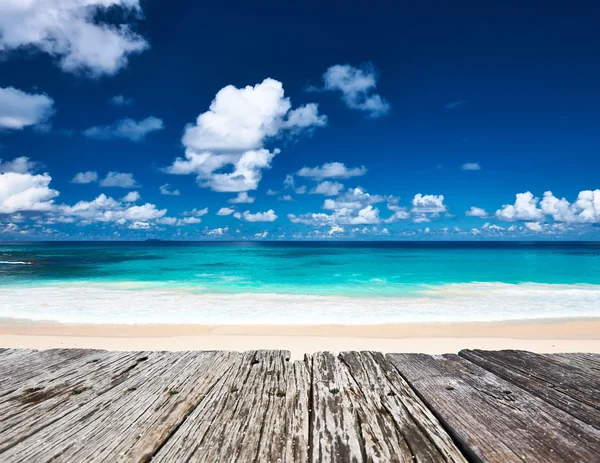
(558, 335)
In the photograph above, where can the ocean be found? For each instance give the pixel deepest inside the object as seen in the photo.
(298, 282)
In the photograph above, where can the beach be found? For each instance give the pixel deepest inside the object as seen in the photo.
(543, 336)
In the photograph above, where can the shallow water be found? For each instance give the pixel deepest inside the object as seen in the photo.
(348, 283)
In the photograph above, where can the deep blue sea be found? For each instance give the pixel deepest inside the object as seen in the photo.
(301, 283)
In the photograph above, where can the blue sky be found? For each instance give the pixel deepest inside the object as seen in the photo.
(300, 120)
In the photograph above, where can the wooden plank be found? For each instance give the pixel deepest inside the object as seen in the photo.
(364, 411)
(51, 396)
(131, 420)
(22, 365)
(492, 419)
(589, 363)
(559, 384)
(394, 423)
(247, 415)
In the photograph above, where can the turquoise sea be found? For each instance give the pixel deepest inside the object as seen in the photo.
(304, 283)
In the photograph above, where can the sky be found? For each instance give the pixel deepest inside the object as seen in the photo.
(142, 119)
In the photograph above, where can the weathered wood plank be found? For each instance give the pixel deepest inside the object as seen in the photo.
(559, 384)
(492, 419)
(131, 420)
(242, 417)
(18, 365)
(364, 411)
(53, 395)
(388, 403)
(589, 363)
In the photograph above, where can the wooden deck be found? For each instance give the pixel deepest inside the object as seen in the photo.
(499, 406)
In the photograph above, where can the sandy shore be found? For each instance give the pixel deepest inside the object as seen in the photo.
(577, 335)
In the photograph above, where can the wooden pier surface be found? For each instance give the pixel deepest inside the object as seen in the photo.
(76, 405)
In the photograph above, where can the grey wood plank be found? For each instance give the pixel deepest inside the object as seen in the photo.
(491, 418)
(394, 423)
(589, 363)
(131, 420)
(566, 387)
(54, 395)
(24, 364)
(246, 416)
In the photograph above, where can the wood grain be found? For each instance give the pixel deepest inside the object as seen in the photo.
(491, 418)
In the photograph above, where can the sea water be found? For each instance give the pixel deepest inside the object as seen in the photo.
(298, 283)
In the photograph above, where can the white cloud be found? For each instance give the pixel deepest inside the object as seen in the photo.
(140, 225)
(357, 87)
(352, 199)
(286, 198)
(226, 211)
(272, 192)
(120, 100)
(233, 131)
(131, 197)
(196, 212)
(400, 214)
(166, 190)
(217, 231)
(335, 229)
(534, 226)
(585, 209)
(331, 170)
(19, 109)
(85, 177)
(428, 204)
(107, 209)
(476, 212)
(128, 129)
(328, 188)
(525, 208)
(268, 216)
(20, 165)
(471, 166)
(241, 198)
(72, 31)
(174, 222)
(25, 192)
(119, 179)
(261, 235)
(354, 207)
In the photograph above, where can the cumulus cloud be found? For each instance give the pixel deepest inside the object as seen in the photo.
(261, 235)
(226, 211)
(327, 188)
(231, 134)
(524, 208)
(585, 209)
(196, 212)
(23, 192)
(217, 231)
(20, 165)
(268, 216)
(85, 177)
(241, 198)
(19, 109)
(331, 170)
(72, 31)
(534, 226)
(428, 204)
(131, 197)
(335, 229)
(357, 87)
(120, 100)
(107, 209)
(476, 212)
(128, 129)
(354, 207)
(166, 190)
(119, 179)
(471, 166)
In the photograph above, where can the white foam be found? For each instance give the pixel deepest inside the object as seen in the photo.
(9, 262)
(124, 303)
